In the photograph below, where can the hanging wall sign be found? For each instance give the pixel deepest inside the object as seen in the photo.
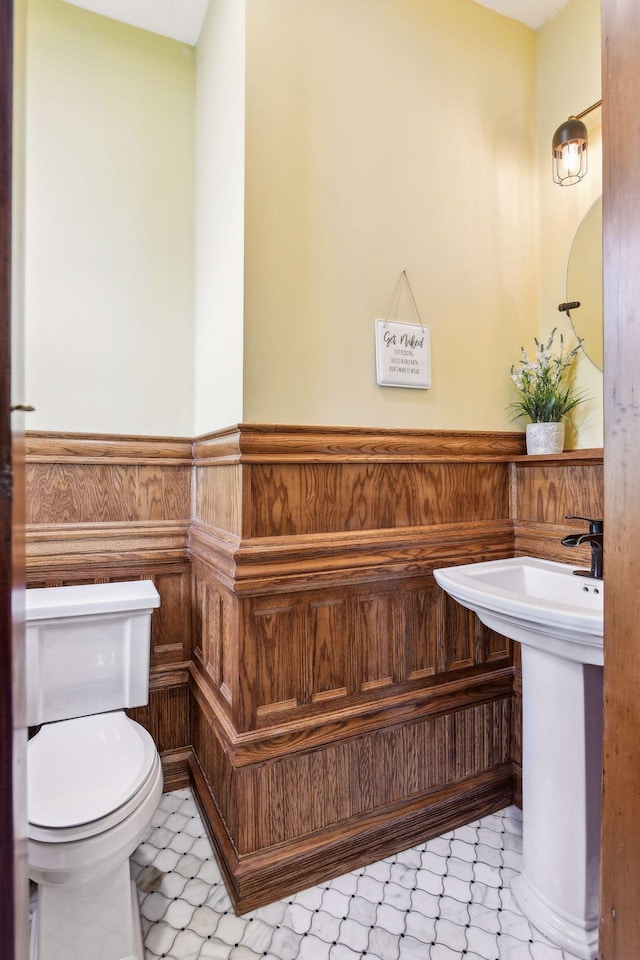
(403, 357)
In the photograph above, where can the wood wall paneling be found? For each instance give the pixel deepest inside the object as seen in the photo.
(544, 493)
(547, 493)
(301, 637)
(375, 659)
(294, 499)
(215, 629)
(90, 493)
(103, 509)
(218, 496)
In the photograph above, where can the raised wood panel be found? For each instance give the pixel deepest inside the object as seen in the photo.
(420, 630)
(549, 492)
(218, 497)
(230, 650)
(92, 492)
(216, 633)
(374, 640)
(457, 648)
(216, 641)
(302, 652)
(272, 647)
(330, 668)
(209, 627)
(492, 646)
(170, 623)
(199, 619)
(294, 499)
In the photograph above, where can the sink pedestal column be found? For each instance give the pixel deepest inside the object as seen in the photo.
(562, 766)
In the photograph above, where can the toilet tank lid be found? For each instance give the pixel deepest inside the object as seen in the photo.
(46, 603)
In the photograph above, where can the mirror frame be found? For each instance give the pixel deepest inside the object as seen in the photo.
(571, 294)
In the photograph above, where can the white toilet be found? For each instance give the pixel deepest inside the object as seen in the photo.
(94, 775)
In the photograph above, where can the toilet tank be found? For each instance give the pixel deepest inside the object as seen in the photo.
(87, 648)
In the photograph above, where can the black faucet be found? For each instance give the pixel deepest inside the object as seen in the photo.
(594, 538)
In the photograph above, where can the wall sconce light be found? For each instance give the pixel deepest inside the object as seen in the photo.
(569, 149)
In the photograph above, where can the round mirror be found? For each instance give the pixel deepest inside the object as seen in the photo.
(584, 284)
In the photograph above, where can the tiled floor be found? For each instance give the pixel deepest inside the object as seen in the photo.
(447, 899)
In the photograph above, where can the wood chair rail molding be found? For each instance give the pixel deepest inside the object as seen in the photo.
(49, 447)
(262, 565)
(284, 443)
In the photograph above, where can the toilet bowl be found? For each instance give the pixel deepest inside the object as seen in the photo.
(94, 781)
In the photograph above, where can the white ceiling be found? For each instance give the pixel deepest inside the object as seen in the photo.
(532, 12)
(182, 19)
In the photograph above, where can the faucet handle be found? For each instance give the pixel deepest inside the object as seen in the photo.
(595, 526)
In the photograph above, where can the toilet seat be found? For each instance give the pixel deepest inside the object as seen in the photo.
(86, 775)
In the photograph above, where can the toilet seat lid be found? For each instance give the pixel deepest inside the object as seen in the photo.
(82, 770)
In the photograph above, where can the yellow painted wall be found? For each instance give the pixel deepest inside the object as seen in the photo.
(109, 225)
(220, 141)
(384, 135)
(569, 81)
(18, 202)
(379, 135)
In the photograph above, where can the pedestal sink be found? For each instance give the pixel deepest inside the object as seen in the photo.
(557, 617)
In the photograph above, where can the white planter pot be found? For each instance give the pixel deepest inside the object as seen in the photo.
(545, 437)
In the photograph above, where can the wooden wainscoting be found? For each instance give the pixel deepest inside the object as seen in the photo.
(102, 509)
(544, 491)
(343, 706)
(327, 702)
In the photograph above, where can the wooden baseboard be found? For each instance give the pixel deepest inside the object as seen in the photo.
(256, 879)
(517, 785)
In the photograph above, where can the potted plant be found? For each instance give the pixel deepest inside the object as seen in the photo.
(547, 394)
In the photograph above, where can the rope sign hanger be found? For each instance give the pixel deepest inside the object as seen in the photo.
(403, 356)
(403, 276)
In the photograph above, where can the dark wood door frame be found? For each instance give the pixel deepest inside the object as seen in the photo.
(620, 863)
(8, 872)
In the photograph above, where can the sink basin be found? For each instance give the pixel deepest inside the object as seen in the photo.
(536, 602)
(558, 619)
